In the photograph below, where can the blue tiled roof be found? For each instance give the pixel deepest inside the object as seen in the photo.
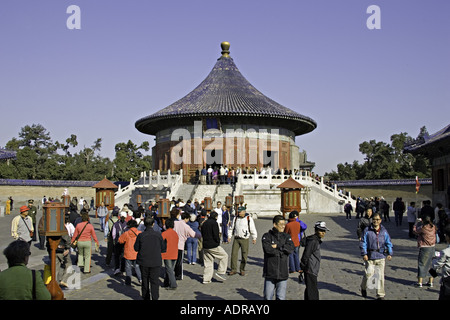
(46, 183)
(381, 182)
(7, 154)
(429, 141)
(224, 93)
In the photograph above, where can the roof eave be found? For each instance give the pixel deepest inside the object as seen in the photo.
(151, 125)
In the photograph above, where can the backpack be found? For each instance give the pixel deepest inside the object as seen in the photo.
(234, 223)
(120, 230)
(112, 226)
(303, 240)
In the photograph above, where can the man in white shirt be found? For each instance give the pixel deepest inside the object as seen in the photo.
(242, 228)
(219, 211)
(222, 175)
(209, 174)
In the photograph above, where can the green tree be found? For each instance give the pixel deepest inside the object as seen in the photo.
(70, 142)
(34, 152)
(39, 158)
(345, 171)
(378, 160)
(129, 161)
(385, 161)
(8, 169)
(87, 164)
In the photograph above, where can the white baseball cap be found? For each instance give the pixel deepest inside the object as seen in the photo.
(321, 225)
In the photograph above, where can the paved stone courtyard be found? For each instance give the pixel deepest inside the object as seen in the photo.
(339, 279)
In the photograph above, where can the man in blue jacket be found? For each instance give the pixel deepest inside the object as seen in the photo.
(376, 246)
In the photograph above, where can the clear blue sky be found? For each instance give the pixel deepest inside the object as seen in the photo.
(133, 58)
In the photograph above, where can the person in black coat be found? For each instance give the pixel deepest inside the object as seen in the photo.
(212, 250)
(149, 245)
(277, 247)
(427, 210)
(364, 222)
(399, 208)
(310, 261)
(73, 213)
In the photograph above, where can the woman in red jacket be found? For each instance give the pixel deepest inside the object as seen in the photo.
(171, 255)
(84, 232)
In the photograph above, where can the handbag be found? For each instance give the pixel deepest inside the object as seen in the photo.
(74, 243)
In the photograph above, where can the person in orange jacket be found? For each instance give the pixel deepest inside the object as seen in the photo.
(171, 255)
(128, 238)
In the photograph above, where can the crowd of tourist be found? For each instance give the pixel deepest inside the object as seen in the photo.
(140, 241)
(429, 226)
(222, 174)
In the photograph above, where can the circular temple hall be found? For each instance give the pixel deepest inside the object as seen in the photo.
(225, 121)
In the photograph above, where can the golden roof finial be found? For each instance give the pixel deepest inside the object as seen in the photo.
(225, 49)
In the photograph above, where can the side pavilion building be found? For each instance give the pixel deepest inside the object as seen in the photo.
(436, 147)
(225, 121)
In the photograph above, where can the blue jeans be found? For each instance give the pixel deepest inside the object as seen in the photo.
(102, 223)
(294, 260)
(278, 287)
(129, 264)
(191, 246)
(169, 278)
(225, 232)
